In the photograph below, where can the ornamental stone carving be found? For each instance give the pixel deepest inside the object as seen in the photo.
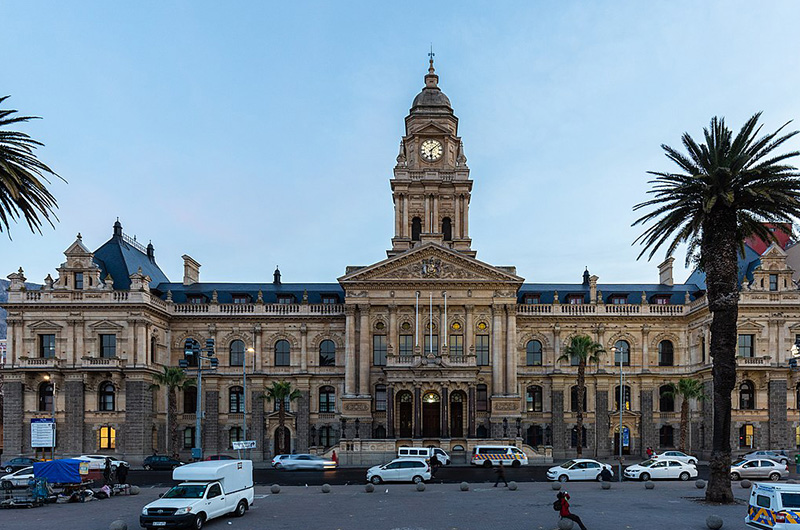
(431, 268)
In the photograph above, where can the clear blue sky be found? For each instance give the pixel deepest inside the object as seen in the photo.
(253, 134)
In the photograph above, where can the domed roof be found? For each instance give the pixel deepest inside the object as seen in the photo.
(431, 99)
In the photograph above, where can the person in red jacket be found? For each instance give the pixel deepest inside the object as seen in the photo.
(564, 512)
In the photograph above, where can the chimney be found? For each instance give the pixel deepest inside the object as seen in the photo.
(586, 276)
(191, 270)
(665, 272)
(151, 252)
(276, 276)
(593, 289)
(118, 229)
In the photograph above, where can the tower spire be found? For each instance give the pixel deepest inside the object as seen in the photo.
(431, 56)
(431, 79)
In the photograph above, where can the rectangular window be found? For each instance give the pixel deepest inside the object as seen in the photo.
(482, 350)
(432, 348)
(79, 280)
(330, 299)
(481, 398)
(746, 345)
(188, 437)
(531, 299)
(108, 438)
(406, 346)
(662, 300)
(773, 282)
(379, 350)
(380, 398)
(285, 299)
(108, 346)
(241, 299)
(619, 300)
(456, 345)
(196, 299)
(47, 346)
(575, 299)
(286, 404)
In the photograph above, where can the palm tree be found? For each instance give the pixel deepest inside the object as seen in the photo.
(281, 392)
(727, 188)
(687, 389)
(172, 379)
(585, 350)
(22, 192)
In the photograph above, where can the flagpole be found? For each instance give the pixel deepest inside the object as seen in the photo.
(416, 321)
(430, 318)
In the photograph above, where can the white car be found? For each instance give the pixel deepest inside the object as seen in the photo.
(276, 460)
(677, 455)
(17, 479)
(99, 461)
(661, 468)
(400, 470)
(577, 469)
(306, 461)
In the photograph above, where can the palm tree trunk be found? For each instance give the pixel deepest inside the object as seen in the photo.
(684, 422)
(720, 245)
(581, 393)
(172, 417)
(281, 420)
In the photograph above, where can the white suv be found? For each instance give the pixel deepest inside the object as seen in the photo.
(400, 470)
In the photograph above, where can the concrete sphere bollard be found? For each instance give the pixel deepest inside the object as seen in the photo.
(464, 486)
(700, 484)
(555, 486)
(118, 525)
(605, 485)
(275, 489)
(134, 490)
(326, 488)
(649, 485)
(714, 522)
(421, 486)
(745, 484)
(369, 488)
(512, 486)
(565, 524)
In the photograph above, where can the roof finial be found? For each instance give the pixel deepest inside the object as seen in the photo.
(431, 55)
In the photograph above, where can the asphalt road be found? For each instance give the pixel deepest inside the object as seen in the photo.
(345, 476)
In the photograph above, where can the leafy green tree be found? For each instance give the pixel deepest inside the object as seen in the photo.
(726, 189)
(585, 350)
(172, 379)
(280, 392)
(23, 193)
(687, 389)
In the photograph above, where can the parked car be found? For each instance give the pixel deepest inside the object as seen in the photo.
(400, 470)
(577, 469)
(161, 462)
(99, 461)
(306, 461)
(425, 452)
(760, 468)
(276, 460)
(18, 463)
(219, 457)
(661, 468)
(17, 479)
(772, 455)
(677, 455)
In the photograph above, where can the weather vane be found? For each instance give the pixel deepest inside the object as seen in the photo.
(431, 55)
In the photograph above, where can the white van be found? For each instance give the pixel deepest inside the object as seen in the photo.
(492, 455)
(207, 490)
(426, 453)
(774, 507)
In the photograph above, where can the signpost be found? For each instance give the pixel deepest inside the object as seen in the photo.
(43, 432)
(245, 444)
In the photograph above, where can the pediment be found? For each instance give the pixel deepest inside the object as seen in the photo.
(430, 263)
(749, 325)
(105, 325)
(44, 325)
(774, 251)
(432, 128)
(77, 249)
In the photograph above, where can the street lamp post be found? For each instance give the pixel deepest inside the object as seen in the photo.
(244, 390)
(614, 350)
(192, 349)
(52, 380)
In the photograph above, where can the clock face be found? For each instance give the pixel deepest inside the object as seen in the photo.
(431, 150)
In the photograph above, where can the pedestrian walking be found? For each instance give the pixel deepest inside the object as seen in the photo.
(564, 512)
(107, 472)
(122, 473)
(650, 452)
(501, 475)
(434, 465)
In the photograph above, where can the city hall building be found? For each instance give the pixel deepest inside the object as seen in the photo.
(430, 346)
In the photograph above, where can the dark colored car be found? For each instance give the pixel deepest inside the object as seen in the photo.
(161, 462)
(18, 463)
(219, 457)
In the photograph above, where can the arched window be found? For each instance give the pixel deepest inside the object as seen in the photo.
(327, 353)
(380, 432)
(533, 399)
(190, 400)
(326, 436)
(666, 436)
(481, 398)
(747, 396)
(46, 397)
(665, 353)
(282, 353)
(153, 349)
(666, 400)
(447, 230)
(108, 437)
(236, 399)
(573, 399)
(623, 352)
(235, 435)
(327, 399)
(188, 437)
(237, 353)
(746, 435)
(626, 397)
(574, 437)
(106, 396)
(533, 353)
(416, 228)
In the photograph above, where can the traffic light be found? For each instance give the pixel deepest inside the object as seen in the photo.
(214, 362)
(210, 346)
(191, 352)
(183, 363)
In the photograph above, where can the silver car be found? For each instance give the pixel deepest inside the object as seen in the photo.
(759, 468)
(772, 455)
(17, 479)
(306, 461)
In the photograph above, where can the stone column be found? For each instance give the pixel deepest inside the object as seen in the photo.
(74, 407)
(556, 343)
(443, 411)
(427, 226)
(417, 412)
(466, 218)
(469, 328)
(557, 425)
(390, 411)
(257, 426)
(435, 223)
(778, 435)
(646, 361)
(257, 346)
(350, 366)
(647, 429)
(471, 412)
(497, 351)
(210, 439)
(602, 423)
(13, 407)
(301, 421)
(511, 350)
(303, 348)
(364, 352)
(457, 218)
(137, 437)
(392, 332)
(404, 232)
(398, 213)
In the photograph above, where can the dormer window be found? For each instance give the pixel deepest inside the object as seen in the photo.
(78, 280)
(241, 299)
(773, 282)
(330, 299)
(285, 299)
(196, 299)
(661, 299)
(531, 299)
(619, 299)
(575, 299)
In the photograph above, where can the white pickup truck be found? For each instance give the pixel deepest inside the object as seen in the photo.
(207, 490)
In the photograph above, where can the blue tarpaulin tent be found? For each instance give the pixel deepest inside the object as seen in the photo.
(63, 471)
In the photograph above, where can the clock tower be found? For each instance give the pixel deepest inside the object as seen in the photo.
(431, 185)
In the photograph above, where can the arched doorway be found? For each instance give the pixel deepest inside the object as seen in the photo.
(431, 415)
(457, 400)
(627, 441)
(286, 448)
(405, 413)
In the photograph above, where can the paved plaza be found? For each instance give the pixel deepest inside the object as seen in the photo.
(672, 505)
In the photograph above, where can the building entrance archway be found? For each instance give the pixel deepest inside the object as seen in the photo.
(287, 441)
(627, 441)
(405, 413)
(457, 400)
(431, 415)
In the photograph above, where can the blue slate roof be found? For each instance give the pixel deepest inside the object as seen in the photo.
(747, 264)
(120, 257)
(632, 291)
(270, 291)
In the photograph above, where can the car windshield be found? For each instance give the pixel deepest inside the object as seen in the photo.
(790, 500)
(568, 464)
(189, 491)
(647, 463)
(739, 462)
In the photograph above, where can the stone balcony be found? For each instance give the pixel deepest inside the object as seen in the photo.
(751, 362)
(104, 363)
(612, 310)
(40, 363)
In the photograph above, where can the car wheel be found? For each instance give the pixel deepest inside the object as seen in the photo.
(148, 467)
(735, 476)
(417, 479)
(515, 463)
(563, 478)
(199, 521)
(693, 462)
(7, 485)
(487, 463)
(376, 480)
(241, 508)
(278, 466)
(644, 477)
(599, 478)
(684, 476)
(774, 477)
(9, 469)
